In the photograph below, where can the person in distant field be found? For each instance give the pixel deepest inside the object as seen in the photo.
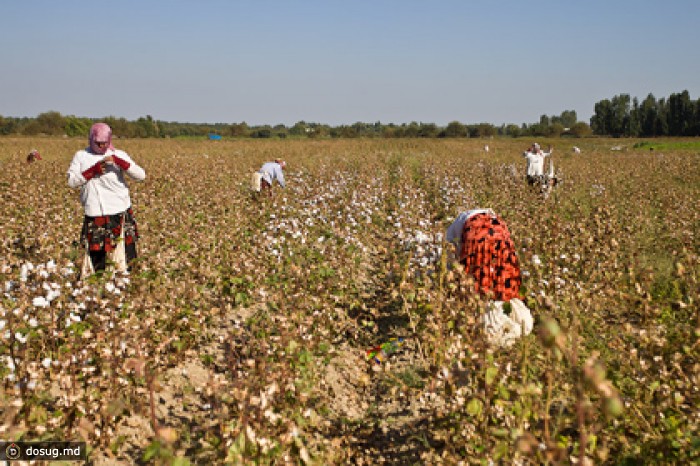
(535, 163)
(33, 156)
(483, 246)
(270, 172)
(98, 170)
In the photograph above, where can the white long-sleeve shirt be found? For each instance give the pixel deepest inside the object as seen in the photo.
(272, 171)
(535, 162)
(106, 194)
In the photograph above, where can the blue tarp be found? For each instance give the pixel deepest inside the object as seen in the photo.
(214, 137)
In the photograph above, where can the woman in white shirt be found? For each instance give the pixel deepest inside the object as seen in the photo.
(535, 163)
(98, 170)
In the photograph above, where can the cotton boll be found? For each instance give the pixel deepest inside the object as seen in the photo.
(52, 294)
(40, 302)
(24, 272)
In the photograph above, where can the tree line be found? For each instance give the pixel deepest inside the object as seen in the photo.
(621, 116)
(52, 123)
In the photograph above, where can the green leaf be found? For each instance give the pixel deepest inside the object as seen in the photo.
(491, 374)
(475, 407)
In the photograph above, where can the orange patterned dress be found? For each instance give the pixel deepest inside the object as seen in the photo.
(488, 254)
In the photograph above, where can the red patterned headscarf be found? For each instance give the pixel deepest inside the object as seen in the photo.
(100, 132)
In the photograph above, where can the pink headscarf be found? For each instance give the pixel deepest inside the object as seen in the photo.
(103, 133)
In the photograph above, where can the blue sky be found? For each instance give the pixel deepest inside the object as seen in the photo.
(339, 62)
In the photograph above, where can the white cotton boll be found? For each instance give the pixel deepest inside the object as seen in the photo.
(52, 294)
(3, 323)
(9, 286)
(74, 318)
(51, 266)
(24, 272)
(21, 338)
(67, 271)
(40, 302)
(33, 322)
(43, 274)
(422, 238)
(46, 362)
(109, 286)
(536, 260)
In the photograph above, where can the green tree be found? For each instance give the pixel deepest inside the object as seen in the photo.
(568, 118)
(648, 116)
(51, 123)
(601, 121)
(239, 129)
(485, 130)
(635, 121)
(620, 123)
(77, 126)
(554, 130)
(455, 129)
(147, 127)
(580, 129)
(513, 131)
(680, 114)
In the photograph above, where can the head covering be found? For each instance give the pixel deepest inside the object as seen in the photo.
(100, 132)
(33, 155)
(281, 162)
(536, 146)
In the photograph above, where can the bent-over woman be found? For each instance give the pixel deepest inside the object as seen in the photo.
(484, 247)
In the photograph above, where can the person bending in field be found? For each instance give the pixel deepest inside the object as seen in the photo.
(267, 175)
(484, 248)
(33, 156)
(535, 163)
(98, 170)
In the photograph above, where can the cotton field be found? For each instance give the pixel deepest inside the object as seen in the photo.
(240, 334)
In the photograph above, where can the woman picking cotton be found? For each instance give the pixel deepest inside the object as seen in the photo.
(483, 246)
(98, 170)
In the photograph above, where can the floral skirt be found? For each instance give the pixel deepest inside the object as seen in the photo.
(488, 254)
(102, 233)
